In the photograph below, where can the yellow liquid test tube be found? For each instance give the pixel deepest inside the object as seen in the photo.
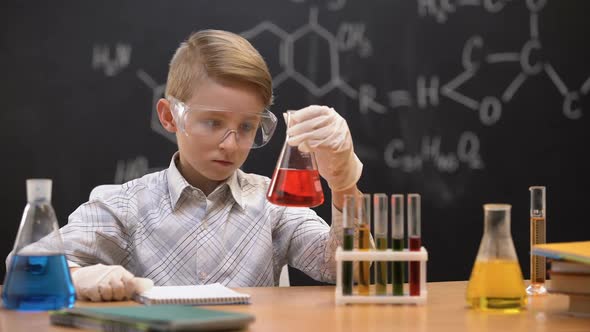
(364, 217)
(380, 220)
(538, 236)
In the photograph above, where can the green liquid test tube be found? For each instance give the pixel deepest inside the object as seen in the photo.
(380, 219)
(364, 216)
(348, 243)
(397, 233)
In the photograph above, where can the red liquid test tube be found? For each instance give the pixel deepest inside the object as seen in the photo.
(414, 240)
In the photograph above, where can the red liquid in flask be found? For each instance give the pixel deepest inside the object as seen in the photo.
(295, 187)
(415, 267)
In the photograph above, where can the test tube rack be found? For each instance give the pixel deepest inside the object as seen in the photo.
(374, 256)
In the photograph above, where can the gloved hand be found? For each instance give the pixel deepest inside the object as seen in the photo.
(320, 129)
(107, 283)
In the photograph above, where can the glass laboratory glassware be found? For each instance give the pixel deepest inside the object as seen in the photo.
(538, 236)
(414, 240)
(496, 282)
(348, 216)
(397, 234)
(296, 180)
(380, 209)
(38, 277)
(363, 207)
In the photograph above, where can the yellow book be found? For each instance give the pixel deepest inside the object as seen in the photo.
(570, 251)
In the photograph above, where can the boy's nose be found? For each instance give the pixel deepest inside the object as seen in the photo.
(227, 142)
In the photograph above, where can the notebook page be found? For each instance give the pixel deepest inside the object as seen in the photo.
(197, 294)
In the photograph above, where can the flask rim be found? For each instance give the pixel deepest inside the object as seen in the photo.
(497, 207)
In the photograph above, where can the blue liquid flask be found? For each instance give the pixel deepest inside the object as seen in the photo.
(38, 277)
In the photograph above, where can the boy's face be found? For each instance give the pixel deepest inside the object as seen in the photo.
(205, 160)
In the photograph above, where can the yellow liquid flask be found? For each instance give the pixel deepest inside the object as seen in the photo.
(296, 180)
(38, 277)
(496, 282)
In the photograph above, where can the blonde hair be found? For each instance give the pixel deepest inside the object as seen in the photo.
(219, 55)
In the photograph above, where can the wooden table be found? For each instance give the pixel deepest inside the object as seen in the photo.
(313, 309)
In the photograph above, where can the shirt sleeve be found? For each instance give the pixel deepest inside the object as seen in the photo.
(95, 234)
(310, 243)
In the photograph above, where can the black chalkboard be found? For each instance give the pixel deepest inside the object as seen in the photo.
(464, 101)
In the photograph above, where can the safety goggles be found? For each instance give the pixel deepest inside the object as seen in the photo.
(252, 129)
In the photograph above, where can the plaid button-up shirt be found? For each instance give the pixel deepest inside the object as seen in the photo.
(160, 227)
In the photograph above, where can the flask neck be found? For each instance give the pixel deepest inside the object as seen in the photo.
(38, 190)
(497, 223)
(288, 121)
(39, 201)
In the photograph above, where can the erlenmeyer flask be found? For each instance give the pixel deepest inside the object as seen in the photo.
(496, 281)
(38, 277)
(295, 181)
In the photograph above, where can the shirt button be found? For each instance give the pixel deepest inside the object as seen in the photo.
(202, 276)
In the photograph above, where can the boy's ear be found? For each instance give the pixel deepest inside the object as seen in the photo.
(165, 115)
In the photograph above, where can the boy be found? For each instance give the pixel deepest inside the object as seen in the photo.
(203, 220)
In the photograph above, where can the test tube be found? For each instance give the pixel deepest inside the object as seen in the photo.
(348, 242)
(397, 234)
(380, 219)
(538, 236)
(364, 217)
(414, 239)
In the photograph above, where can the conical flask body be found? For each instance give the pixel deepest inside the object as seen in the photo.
(496, 281)
(296, 180)
(38, 277)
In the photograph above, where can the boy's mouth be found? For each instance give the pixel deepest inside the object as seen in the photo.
(223, 162)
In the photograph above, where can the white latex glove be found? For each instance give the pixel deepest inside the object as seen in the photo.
(320, 129)
(107, 283)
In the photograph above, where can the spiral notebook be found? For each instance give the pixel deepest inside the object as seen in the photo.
(193, 295)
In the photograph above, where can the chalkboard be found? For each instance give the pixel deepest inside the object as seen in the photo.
(463, 101)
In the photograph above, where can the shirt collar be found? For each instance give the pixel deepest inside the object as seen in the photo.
(177, 184)
(235, 187)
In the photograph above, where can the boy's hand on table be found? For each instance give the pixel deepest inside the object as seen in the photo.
(107, 283)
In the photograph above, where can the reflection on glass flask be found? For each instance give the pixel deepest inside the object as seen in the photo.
(296, 180)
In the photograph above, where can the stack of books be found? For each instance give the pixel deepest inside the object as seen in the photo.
(569, 272)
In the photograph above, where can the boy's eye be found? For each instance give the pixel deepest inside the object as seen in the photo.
(247, 127)
(212, 123)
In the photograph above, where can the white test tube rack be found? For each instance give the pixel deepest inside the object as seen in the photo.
(387, 255)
